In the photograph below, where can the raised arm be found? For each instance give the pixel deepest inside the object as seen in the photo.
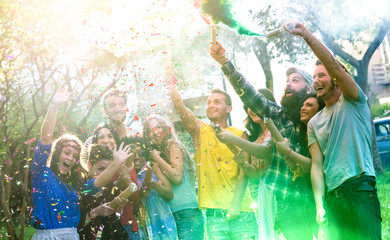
(120, 156)
(248, 94)
(191, 123)
(345, 82)
(258, 150)
(173, 168)
(317, 180)
(60, 97)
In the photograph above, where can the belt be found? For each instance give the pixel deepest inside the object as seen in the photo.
(343, 191)
(211, 212)
(56, 231)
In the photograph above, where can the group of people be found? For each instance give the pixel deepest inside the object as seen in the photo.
(316, 182)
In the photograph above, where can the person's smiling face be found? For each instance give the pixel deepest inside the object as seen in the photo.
(309, 109)
(105, 137)
(68, 157)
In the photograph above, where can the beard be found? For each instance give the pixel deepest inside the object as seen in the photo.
(293, 104)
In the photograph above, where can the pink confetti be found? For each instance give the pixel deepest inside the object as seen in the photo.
(30, 141)
(10, 56)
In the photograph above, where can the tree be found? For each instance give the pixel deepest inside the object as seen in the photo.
(360, 34)
(357, 31)
(32, 68)
(278, 47)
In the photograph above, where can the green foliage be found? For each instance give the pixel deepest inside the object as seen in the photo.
(282, 47)
(383, 186)
(380, 110)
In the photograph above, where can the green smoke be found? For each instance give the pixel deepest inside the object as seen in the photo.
(221, 11)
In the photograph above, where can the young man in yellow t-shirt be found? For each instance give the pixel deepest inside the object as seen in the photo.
(223, 192)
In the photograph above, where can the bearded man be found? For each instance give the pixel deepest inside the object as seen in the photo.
(293, 201)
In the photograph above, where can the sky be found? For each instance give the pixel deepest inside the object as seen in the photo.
(122, 26)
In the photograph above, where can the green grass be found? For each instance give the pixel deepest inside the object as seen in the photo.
(383, 185)
(28, 232)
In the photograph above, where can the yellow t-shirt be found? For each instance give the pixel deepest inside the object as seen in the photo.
(217, 172)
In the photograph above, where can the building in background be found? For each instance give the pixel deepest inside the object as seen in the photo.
(379, 73)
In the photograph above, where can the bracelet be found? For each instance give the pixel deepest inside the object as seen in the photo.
(225, 60)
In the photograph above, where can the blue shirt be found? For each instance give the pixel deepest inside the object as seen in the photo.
(55, 206)
(184, 194)
(343, 132)
(89, 187)
(159, 220)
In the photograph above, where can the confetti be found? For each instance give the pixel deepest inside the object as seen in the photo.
(30, 141)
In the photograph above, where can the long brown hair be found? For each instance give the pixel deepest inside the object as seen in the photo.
(168, 140)
(77, 173)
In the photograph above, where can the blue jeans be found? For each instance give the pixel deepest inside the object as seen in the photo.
(218, 228)
(296, 217)
(354, 212)
(190, 224)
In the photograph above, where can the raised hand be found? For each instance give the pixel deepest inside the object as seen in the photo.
(62, 95)
(122, 154)
(219, 54)
(295, 28)
(169, 72)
